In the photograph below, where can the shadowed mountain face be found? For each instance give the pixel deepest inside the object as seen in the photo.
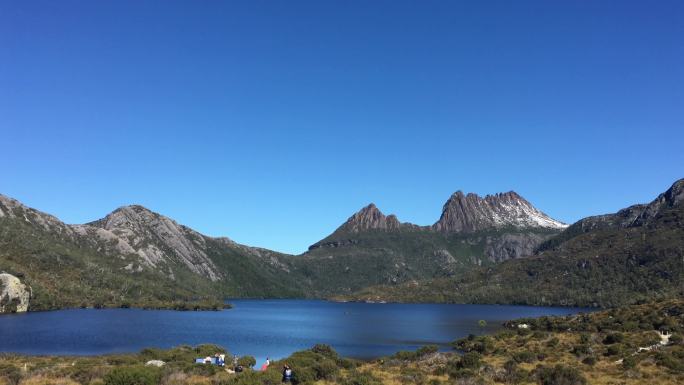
(372, 248)
(607, 260)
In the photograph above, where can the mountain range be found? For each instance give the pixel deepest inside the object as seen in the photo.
(497, 248)
(634, 255)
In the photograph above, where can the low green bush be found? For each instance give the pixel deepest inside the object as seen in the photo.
(247, 361)
(559, 375)
(133, 375)
(11, 373)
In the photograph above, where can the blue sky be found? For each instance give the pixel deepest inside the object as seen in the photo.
(271, 122)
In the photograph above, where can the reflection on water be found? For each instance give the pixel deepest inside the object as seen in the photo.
(261, 328)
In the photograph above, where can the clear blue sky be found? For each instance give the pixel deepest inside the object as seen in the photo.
(271, 122)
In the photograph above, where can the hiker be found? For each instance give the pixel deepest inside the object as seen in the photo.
(222, 360)
(287, 373)
(265, 365)
(207, 360)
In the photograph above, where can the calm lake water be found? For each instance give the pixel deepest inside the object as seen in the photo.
(261, 328)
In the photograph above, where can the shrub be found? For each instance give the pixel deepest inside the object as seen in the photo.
(590, 360)
(614, 350)
(629, 362)
(247, 361)
(470, 360)
(404, 355)
(303, 375)
(524, 356)
(325, 350)
(613, 338)
(133, 375)
(361, 378)
(200, 369)
(412, 376)
(580, 350)
(585, 338)
(428, 349)
(513, 374)
(11, 373)
(326, 370)
(559, 375)
(553, 342)
(673, 360)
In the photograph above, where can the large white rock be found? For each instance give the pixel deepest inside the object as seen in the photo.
(12, 291)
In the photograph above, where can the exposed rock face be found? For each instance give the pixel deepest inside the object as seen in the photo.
(157, 239)
(471, 213)
(13, 209)
(14, 295)
(673, 197)
(509, 246)
(371, 218)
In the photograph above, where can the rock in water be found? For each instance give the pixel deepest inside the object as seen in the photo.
(14, 295)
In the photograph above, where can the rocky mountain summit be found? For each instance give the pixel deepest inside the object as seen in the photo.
(462, 213)
(471, 213)
(156, 239)
(371, 218)
(607, 260)
(372, 248)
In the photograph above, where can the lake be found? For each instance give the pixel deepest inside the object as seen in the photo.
(261, 328)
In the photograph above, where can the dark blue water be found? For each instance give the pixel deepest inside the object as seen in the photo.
(261, 328)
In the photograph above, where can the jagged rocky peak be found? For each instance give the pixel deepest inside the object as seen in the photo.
(470, 213)
(371, 218)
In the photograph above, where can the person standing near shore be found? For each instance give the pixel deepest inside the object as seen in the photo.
(287, 373)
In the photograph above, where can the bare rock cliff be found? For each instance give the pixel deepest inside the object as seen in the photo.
(14, 295)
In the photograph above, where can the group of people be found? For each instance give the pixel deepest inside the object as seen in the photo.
(220, 360)
(287, 371)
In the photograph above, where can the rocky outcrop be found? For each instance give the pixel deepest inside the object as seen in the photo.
(14, 295)
(13, 209)
(157, 239)
(513, 245)
(471, 213)
(370, 218)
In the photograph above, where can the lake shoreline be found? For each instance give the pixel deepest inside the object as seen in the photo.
(596, 347)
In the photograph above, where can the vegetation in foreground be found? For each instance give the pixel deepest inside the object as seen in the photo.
(618, 346)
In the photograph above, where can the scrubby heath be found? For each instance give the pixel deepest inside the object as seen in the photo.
(629, 345)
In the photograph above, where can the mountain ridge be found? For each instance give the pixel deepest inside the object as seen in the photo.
(635, 254)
